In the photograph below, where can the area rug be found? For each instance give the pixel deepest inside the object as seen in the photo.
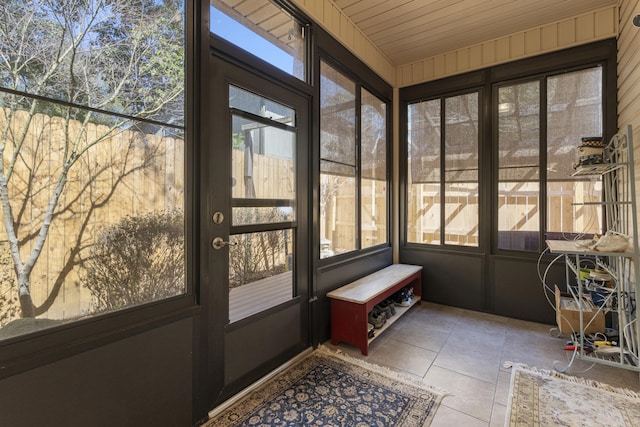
(547, 398)
(327, 388)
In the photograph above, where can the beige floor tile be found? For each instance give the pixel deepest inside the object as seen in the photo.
(447, 417)
(404, 357)
(469, 361)
(433, 317)
(463, 352)
(502, 388)
(469, 395)
(498, 415)
(421, 336)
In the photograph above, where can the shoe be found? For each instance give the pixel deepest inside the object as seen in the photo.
(377, 318)
(403, 298)
(370, 330)
(392, 305)
(381, 313)
(387, 309)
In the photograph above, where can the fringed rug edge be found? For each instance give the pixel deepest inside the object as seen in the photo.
(387, 372)
(578, 380)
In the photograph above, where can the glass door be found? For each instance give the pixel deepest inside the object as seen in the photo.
(254, 207)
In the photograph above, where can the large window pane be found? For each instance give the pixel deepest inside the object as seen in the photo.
(424, 157)
(94, 200)
(461, 170)
(116, 233)
(373, 154)
(519, 166)
(338, 219)
(574, 111)
(456, 186)
(118, 56)
(262, 29)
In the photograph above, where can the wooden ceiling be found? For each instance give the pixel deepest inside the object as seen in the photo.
(410, 30)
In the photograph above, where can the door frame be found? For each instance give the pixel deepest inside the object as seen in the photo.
(214, 331)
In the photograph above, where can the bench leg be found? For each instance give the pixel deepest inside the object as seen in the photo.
(349, 324)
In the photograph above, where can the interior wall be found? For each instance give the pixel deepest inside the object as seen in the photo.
(629, 74)
(142, 380)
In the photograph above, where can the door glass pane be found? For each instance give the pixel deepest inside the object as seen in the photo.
(423, 192)
(574, 111)
(262, 162)
(260, 106)
(260, 272)
(262, 215)
(518, 166)
(262, 29)
(373, 187)
(461, 170)
(263, 194)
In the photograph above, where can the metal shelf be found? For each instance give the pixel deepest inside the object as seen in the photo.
(618, 178)
(599, 169)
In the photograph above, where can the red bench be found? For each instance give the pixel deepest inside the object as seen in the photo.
(351, 303)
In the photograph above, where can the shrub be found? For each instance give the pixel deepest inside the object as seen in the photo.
(138, 260)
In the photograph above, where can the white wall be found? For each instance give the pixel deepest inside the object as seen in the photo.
(629, 77)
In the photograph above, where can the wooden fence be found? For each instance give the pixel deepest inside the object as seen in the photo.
(121, 173)
(518, 210)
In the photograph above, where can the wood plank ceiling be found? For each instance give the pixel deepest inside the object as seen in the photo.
(410, 30)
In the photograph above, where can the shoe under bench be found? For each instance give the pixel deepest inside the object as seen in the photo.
(351, 303)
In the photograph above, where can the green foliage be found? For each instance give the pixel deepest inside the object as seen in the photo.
(116, 55)
(138, 260)
(237, 141)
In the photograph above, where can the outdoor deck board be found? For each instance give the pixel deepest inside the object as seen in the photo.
(260, 295)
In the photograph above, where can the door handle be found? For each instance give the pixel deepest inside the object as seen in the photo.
(219, 243)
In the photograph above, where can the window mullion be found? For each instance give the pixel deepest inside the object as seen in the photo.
(543, 160)
(443, 136)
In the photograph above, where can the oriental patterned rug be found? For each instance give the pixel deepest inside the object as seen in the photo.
(548, 398)
(327, 388)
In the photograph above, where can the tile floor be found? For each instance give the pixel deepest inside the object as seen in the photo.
(463, 352)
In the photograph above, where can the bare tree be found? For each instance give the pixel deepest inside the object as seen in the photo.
(8, 303)
(119, 56)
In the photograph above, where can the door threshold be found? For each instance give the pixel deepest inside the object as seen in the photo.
(236, 397)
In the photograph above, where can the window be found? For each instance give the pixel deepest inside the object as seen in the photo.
(92, 138)
(519, 166)
(373, 185)
(573, 110)
(442, 193)
(338, 221)
(264, 30)
(353, 165)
